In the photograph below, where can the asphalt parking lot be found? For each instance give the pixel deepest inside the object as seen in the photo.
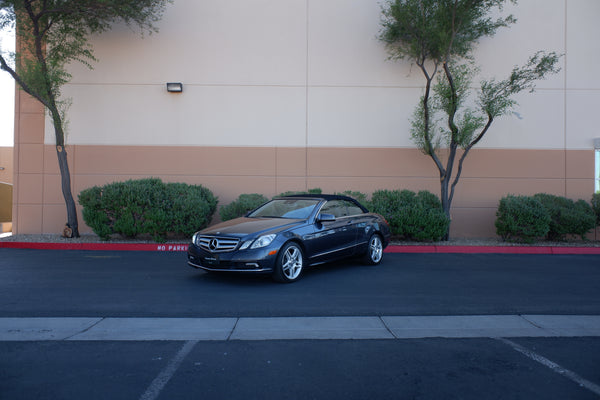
(133, 325)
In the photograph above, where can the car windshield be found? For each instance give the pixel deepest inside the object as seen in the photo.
(286, 208)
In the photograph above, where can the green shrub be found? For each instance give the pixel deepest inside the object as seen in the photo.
(293, 192)
(147, 206)
(567, 216)
(412, 216)
(390, 202)
(521, 219)
(241, 206)
(596, 207)
(358, 196)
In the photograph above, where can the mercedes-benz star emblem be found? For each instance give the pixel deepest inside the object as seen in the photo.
(214, 244)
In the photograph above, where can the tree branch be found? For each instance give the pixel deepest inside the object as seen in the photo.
(426, 117)
(4, 66)
(453, 103)
(466, 151)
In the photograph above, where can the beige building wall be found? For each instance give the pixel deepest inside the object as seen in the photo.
(294, 94)
(6, 164)
(6, 180)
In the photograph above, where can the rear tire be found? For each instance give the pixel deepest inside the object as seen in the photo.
(289, 264)
(374, 253)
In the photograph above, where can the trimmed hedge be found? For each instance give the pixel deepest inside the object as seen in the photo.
(147, 206)
(293, 192)
(525, 218)
(596, 207)
(241, 206)
(358, 196)
(412, 216)
(568, 217)
(521, 219)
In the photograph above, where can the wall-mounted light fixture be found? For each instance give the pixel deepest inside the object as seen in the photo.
(174, 87)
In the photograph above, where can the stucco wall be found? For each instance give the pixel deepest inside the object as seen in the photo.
(312, 73)
(6, 164)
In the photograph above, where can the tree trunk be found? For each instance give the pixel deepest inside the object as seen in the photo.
(72, 229)
(446, 202)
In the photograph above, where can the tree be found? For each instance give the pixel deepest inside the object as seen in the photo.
(439, 36)
(54, 33)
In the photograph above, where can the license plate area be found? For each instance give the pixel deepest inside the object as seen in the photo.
(211, 260)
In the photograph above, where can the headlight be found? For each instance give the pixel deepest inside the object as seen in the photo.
(245, 245)
(195, 238)
(262, 241)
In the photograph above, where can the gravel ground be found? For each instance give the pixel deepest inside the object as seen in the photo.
(91, 238)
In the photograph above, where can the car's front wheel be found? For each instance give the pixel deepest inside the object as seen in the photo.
(374, 253)
(290, 263)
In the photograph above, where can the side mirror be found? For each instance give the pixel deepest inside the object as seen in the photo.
(325, 217)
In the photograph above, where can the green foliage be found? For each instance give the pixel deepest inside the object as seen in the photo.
(525, 218)
(147, 206)
(495, 97)
(241, 206)
(412, 216)
(521, 219)
(293, 192)
(596, 207)
(358, 196)
(568, 217)
(433, 29)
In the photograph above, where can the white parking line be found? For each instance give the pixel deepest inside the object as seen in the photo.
(591, 386)
(166, 374)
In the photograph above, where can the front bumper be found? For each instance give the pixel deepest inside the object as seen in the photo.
(256, 261)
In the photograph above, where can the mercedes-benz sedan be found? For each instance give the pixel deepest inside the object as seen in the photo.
(288, 234)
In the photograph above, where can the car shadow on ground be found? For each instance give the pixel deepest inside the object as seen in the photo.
(241, 279)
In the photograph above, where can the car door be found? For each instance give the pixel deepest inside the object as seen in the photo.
(359, 222)
(332, 239)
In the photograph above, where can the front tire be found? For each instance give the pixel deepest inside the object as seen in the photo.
(289, 264)
(374, 253)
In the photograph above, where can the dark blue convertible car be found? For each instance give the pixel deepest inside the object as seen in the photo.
(287, 234)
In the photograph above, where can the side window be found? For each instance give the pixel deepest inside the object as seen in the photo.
(341, 208)
(353, 209)
(335, 207)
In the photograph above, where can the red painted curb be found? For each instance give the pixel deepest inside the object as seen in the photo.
(575, 250)
(390, 249)
(472, 249)
(493, 249)
(97, 246)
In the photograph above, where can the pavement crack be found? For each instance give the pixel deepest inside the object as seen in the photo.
(387, 327)
(530, 321)
(233, 329)
(86, 329)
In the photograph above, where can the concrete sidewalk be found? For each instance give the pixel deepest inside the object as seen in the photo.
(279, 328)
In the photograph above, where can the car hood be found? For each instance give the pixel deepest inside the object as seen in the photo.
(241, 227)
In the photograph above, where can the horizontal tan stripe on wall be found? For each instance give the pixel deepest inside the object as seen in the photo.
(230, 171)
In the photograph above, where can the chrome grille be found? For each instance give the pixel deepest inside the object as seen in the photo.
(216, 244)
